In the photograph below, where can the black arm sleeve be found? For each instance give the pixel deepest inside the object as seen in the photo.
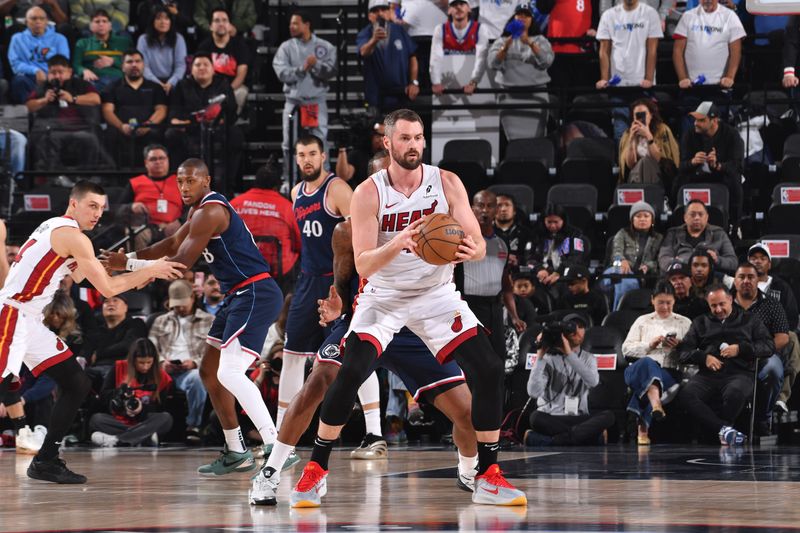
(791, 41)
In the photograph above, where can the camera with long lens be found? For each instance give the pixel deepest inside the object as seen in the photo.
(552, 332)
(125, 400)
(55, 85)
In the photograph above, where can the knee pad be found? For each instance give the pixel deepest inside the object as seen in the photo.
(484, 371)
(233, 363)
(356, 362)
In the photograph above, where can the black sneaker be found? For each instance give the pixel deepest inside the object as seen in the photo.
(54, 470)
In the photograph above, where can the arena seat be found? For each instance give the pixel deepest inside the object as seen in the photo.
(621, 320)
(630, 193)
(594, 148)
(522, 194)
(531, 173)
(535, 149)
(783, 218)
(579, 201)
(477, 150)
(637, 300)
(472, 174)
(593, 171)
(611, 393)
(786, 192)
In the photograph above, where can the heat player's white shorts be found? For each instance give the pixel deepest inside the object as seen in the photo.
(24, 339)
(438, 316)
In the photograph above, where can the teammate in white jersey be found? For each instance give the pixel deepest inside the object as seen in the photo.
(402, 290)
(56, 249)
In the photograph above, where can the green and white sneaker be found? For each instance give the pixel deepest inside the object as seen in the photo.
(229, 462)
(265, 450)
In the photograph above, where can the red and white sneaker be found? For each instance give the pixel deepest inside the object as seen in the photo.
(311, 487)
(491, 488)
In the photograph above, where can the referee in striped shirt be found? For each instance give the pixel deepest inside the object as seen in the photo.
(486, 284)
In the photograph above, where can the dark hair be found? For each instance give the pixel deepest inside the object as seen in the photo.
(745, 264)
(714, 287)
(152, 37)
(131, 52)
(153, 146)
(534, 28)
(200, 55)
(663, 287)
(509, 196)
(196, 165)
(697, 201)
(84, 187)
(702, 252)
(655, 114)
(397, 115)
(218, 10)
(307, 139)
(269, 176)
(58, 60)
(555, 210)
(143, 348)
(304, 16)
(100, 13)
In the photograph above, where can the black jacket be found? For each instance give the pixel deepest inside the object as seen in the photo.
(730, 152)
(708, 332)
(573, 246)
(781, 291)
(188, 97)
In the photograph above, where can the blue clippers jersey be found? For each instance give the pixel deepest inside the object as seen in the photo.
(316, 225)
(232, 256)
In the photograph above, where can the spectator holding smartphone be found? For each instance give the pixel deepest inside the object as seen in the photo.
(180, 336)
(652, 339)
(648, 152)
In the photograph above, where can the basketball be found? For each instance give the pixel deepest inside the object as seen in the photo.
(438, 239)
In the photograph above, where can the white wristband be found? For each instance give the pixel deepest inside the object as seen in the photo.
(138, 264)
(788, 71)
(131, 255)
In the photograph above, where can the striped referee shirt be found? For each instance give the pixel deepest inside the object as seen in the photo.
(485, 277)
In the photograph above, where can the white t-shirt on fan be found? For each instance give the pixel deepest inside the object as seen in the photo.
(628, 32)
(180, 348)
(707, 38)
(422, 17)
(494, 14)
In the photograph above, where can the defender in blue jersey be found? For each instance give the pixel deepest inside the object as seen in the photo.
(252, 302)
(321, 200)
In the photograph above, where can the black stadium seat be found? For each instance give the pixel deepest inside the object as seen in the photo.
(522, 194)
(531, 173)
(472, 174)
(478, 150)
(535, 149)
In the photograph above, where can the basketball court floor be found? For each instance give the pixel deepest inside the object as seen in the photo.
(617, 488)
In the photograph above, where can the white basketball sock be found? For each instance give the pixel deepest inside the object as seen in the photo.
(234, 439)
(370, 393)
(467, 464)
(281, 413)
(280, 452)
(233, 363)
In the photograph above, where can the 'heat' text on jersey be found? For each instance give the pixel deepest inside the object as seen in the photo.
(399, 221)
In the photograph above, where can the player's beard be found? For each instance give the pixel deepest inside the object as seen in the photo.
(401, 160)
(315, 172)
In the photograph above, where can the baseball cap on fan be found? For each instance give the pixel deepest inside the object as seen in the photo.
(375, 4)
(468, 2)
(759, 247)
(705, 109)
(524, 6)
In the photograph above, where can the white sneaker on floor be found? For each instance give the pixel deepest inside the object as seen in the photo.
(466, 480)
(265, 487)
(28, 441)
(104, 440)
(41, 432)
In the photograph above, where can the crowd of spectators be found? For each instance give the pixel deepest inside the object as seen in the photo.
(714, 315)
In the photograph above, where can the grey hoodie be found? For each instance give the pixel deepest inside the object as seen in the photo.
(299, 84)
(554, 377)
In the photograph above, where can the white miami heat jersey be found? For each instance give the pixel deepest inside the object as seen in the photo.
(37, 270)
(395, 212)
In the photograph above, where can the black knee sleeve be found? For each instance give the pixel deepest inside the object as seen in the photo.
(357, 360)
(484, 372)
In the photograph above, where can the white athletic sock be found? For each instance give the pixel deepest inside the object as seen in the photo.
(233, 363)
(279, 421)
(280, 452)
(234, 439)
(372, 419)
(467, 464)
(370, 393)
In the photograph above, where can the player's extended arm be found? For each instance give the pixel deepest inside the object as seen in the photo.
(68, 241)
(207, 221)
(461, 210)
(369, 257)
(163, 248)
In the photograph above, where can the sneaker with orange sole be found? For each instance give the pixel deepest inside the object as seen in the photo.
(311, 487)
(491, 488)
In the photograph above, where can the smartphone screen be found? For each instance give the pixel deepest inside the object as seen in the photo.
(641, 116)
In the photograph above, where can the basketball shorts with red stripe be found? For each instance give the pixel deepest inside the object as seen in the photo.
(246, 314)
(438, 316)
(303, 332)
(24, 339)
(406, 356)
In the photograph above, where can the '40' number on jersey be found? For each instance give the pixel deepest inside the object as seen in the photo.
(312, 228)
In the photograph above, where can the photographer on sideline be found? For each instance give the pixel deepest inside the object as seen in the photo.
(133, 392)
(560, 382)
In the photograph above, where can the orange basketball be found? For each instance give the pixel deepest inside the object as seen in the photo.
(438, 239)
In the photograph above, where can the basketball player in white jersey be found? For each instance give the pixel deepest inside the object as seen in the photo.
(56, 249)
(402, 290)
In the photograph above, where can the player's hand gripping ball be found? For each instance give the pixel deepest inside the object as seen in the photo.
(438, 239)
